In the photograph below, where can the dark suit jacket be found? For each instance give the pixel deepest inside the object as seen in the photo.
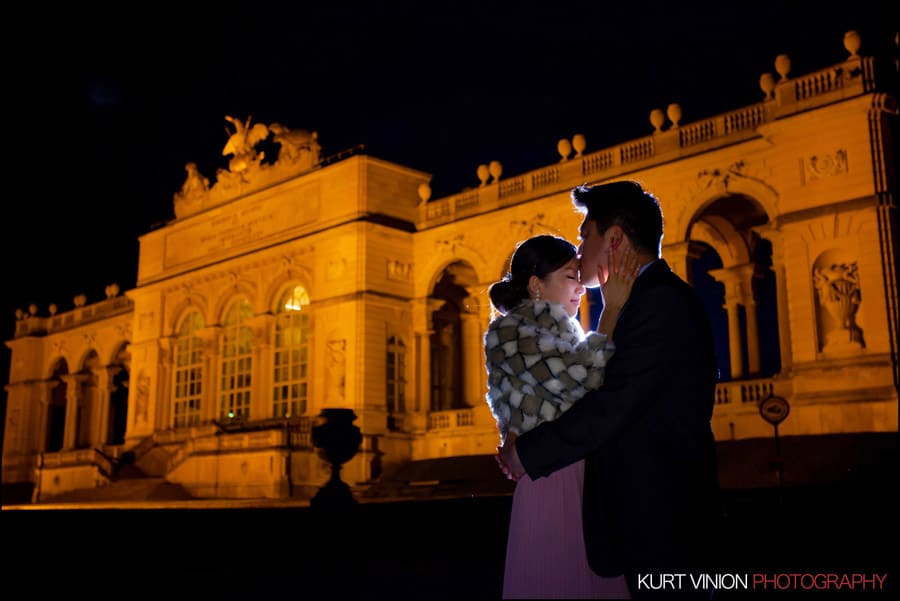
(651, 481)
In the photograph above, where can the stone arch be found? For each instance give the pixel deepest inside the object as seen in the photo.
(722, 235)
(756, 191)
(226, 302)
(90, 359)
(278, 288)
(438, 262)
(61, 358)
(193, 301)
(185, 309)
(728, 225)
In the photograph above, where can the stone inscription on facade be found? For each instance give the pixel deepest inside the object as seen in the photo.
(251, 221)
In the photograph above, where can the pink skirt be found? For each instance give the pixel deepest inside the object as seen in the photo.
(545, 552)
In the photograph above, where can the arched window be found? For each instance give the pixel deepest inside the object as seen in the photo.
(237, 362)
(395, 382)
(188, 372)
(291, 354)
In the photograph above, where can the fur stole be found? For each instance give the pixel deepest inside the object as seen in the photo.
(539, 361)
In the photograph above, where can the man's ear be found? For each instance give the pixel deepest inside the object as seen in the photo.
(616, 236)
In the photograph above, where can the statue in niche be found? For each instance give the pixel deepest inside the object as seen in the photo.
(336, 370)
(242, 144)
(295, 144)
(838, 291)
(142, 395)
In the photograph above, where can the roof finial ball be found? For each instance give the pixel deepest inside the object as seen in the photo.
(657, 119)
(579, 143)
(496, 169)
(767, 85)
(484, 174)
(564, 148)
(673, 112)
(783, 65)
(424, 191)
(852, 42)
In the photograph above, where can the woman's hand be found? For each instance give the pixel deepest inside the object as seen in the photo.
(623, 269)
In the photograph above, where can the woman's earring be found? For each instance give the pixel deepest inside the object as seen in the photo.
(537, 294)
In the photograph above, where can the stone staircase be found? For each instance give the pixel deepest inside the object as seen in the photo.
(129, 484)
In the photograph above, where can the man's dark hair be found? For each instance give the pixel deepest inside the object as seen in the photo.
(627, 205)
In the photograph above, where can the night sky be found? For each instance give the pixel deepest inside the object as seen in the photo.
(107, 107)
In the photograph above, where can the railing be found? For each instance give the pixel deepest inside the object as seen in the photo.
(854, 76)
(295, 433)
(31, 325)
(744, 391)
(511, 187)
(455, 418)
(74, 458)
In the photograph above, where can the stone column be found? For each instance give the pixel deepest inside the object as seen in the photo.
(73, 403)
(745, 275)
(165, 386)
(422, 326)
(733, 298)
(423, 371)
(263, 326)
(209, 404)
(776, 237)
(472, 358)
(42, 423)
(102, 377)
(679, 257)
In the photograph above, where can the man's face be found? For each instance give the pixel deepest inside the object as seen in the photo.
(594, 254)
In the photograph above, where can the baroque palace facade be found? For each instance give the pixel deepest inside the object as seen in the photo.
(299, 284)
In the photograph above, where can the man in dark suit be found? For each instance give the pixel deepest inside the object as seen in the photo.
(651, 491)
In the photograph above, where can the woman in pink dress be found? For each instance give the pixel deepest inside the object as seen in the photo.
(540, 362)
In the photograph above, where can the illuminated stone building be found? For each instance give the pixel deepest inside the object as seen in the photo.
(291, 285)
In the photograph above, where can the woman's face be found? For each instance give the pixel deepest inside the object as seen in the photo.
(563, 286)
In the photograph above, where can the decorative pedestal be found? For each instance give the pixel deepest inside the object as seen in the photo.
(338, 440)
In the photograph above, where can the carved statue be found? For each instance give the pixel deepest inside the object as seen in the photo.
(336, 374)
(294, 142)
(839, 293)
(142, 398)
(195, 185)
(242, 143)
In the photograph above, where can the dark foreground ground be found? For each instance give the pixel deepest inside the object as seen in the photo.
(437, 549)
(836, 513)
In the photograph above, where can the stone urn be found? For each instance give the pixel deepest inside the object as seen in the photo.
(338, 441)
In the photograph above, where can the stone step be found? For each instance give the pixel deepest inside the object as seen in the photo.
(129, 489)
